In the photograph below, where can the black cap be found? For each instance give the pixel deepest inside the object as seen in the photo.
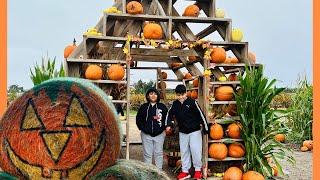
(152, 90)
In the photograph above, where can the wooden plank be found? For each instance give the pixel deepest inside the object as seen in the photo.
(151, 58)
(207, 31)
(187, 19)
(108, 82)
(172, 80)
(227, 159)
(225, 140)
(119, 101)
(128, 110)
(102, 61)
(138, 17)
(212, 9)
(124, 4)
(223, 102)
(163, 52)
(224, 82)
(150, 68)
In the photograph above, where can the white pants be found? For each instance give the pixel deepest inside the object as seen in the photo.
(191, 145)
(153, 146)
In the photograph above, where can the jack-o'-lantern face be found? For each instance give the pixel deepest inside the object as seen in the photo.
(58, 132)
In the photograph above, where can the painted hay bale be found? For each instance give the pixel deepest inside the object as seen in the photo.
(64, 128)
(132, 170)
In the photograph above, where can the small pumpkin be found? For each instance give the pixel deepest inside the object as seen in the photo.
(220, 13)
(231, 60)
(134, 7)
(187, 76)
(194, 94)
(231, 109)
(162, 85)
(175, 64)
(304, 149)
(252, 175)
(192, 58)
(218, 151)
(224, 93)
(164, 75)
(252, 57)
(232, 173)
(236, 150)
(280, 138)
(69, 49)
(234, 131)
(195, 82)
(308, 144)
(236, 35)
(192, 10)
(233, 77)
(152, 31)
(216, 131)
(189, 94)
(218, 55)
(116, 72)
(93, 72)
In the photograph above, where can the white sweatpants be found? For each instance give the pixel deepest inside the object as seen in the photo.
(191, 145)
(153, 146)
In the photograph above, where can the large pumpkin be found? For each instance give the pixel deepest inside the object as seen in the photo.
(216, 131)
(218, 55)
(134, 7)
(116, 72)
(218, 151)
(69, 49)
(224, 93)
(61, 129)
(252, 175)
(236, 150)
(152, 31)
(192, 10)
(308, 144)
(234, 131)
(233, 173)
(93, 72)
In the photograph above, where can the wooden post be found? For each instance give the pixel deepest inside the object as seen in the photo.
(163, 90)
(212, 9)
(124, 3)
(128, 112)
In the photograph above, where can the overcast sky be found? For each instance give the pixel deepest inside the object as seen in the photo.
(278, 32)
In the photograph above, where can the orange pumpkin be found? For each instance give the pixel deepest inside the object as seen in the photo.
(187, 76)
(162, 85)
(93, 72)
(116, 72)
(175, 64)
(231, 109)
(252, 175)
(192, 10)
(69, 49)
(218, 151)
(164, 75)
(304, 148)
(194, 94)
(192, 58)
(152, 31)
(134, 7)
(232, 173)
(252, 57)
(308, 144)
(224, 93)
(231, 60)
(216, 131)
(195, 82)
(236, 150)
(218, 55)
(233, 77)
(234, 131)
(280, 138)
(189, 94)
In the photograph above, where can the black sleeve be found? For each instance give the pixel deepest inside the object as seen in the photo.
(139, 118)
(169, 117)
(202, 116)
(119, 109)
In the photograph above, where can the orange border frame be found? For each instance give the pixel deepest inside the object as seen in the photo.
(316, 74)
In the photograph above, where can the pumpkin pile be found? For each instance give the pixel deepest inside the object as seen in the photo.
(220, 151)
(307, 146)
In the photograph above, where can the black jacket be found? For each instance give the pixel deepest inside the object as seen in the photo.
(188, 115)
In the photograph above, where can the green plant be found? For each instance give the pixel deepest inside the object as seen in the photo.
(46, 71)
(260, 123)
(301, 111)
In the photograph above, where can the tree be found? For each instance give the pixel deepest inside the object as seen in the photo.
(13, 92)
(141, 87)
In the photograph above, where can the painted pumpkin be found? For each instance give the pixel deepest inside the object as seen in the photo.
(234, 131)
(308, 144)
(69, 49)
(280, 138)
(152, 31)
(93, 72)
(164, 75)
(187, 76)
(195, 82)
(224, 93)
(216, 131)
(232, 173)
(236, 35)
(64, 128)
(116, 72)
(236, 150)
(134, 7)
(252, 175)
(194, 94)
(304, 149)
(252, 57)
(218, 151)
(192, 10)
(220, 13)
(218, 55)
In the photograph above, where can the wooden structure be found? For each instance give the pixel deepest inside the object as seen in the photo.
(107, 49)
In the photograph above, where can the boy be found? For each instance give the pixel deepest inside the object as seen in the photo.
(189, 117)
(150, 120)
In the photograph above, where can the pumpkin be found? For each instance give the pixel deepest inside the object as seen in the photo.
(218, 55)
(93, 72)
(175, 64)
(195, 82)
(134, 7)
(116, 72)
(308, 144)
(236, 150)
(232, 173)
(231, 109)
(233, 77)
(304, 148)
(162, 85)
(69, 49)
(252, 57)
(194, 94)
(164, 75)
(280, 138)
(234, 131)
(218, 151)
(189, 94)
(219, 13)
(152, 31)
(65, 128)
(192, 10)
(187, 76)
(236, 35)
(252, 175)
(216, 131)
(192, 58)
(224, 93)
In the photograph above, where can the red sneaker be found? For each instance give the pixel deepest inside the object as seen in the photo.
(183, 175)
(197, 175)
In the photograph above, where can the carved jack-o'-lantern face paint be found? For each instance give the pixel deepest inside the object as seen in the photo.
(60, 129)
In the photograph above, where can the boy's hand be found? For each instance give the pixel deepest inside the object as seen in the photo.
(168, 128)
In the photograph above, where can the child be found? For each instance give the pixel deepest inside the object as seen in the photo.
(189, 117)
(151, 121)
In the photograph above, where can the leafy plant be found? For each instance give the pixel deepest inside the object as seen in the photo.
(260, 123)
(46, 71)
